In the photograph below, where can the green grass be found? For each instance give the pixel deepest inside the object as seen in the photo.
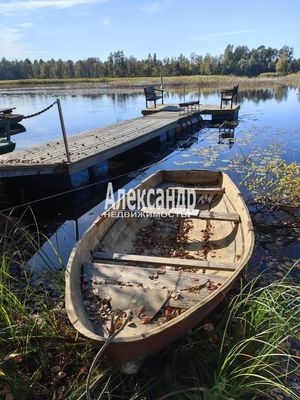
(244, 353)
(259, 358)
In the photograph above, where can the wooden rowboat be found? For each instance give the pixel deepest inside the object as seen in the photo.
(161, 267)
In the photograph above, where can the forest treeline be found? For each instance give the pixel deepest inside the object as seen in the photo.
(235, 60)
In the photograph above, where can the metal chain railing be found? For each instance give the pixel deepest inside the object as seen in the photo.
(40, 112)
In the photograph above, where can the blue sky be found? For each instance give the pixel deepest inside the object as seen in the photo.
(78, 29)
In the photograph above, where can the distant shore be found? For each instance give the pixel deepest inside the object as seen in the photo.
(196, 81)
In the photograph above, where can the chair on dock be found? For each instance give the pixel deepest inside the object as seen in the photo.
(229, 95)
(153, 94)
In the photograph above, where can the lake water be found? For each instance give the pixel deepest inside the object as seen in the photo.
(269, 128)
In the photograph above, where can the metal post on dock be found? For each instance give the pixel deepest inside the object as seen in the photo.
(161, 79)
(62, 124)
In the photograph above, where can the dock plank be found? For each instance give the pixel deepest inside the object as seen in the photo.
(95, 146)
(89, 147)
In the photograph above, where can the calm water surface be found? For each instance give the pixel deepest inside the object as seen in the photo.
(269, 127)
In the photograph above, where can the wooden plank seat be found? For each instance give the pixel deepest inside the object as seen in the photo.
(191, 213)
(197, 189)
(229, 96)
(178, 262)
(189, 104)
(153, 94)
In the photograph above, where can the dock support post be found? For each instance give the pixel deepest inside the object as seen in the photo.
(62, 124)
(7, 128)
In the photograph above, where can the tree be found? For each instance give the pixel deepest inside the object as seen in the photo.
(238, 61)
(285, 59)
(282, 65)
(69, 69)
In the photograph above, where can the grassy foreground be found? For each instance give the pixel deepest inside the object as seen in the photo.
(249, 349)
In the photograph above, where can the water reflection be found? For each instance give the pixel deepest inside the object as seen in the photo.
(226, 131)
(279, 93)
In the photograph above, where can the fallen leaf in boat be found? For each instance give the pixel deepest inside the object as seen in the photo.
(118, 323)
(146, 319)
(140, 310)
(104, 317)
(176, 295)
(168, 311)
(211, 286)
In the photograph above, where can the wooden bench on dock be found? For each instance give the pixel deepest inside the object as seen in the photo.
(153, 94)
(229, 95)
(189, 105)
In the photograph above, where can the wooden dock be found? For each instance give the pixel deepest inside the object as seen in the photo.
(90, 148)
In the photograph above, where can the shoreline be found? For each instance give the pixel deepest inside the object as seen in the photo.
(171, 82)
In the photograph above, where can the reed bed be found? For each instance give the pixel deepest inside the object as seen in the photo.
(170, 82)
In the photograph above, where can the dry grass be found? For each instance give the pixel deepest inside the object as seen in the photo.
(196, 81)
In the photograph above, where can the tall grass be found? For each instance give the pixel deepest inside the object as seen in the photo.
(204, 81)
(248, 351)
(262, 322)
(37, 343)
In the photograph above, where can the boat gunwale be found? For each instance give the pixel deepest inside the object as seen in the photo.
(158, 176)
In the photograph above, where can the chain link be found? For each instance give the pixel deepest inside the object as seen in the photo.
(40, 112)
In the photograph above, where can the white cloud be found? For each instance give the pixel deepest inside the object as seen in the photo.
(151, 8)
(12, 5)
(13, 46)
(226, 33)
(104, 21)
(155, 7)
(24, 25)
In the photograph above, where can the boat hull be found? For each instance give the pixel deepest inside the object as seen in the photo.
(218, 242)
